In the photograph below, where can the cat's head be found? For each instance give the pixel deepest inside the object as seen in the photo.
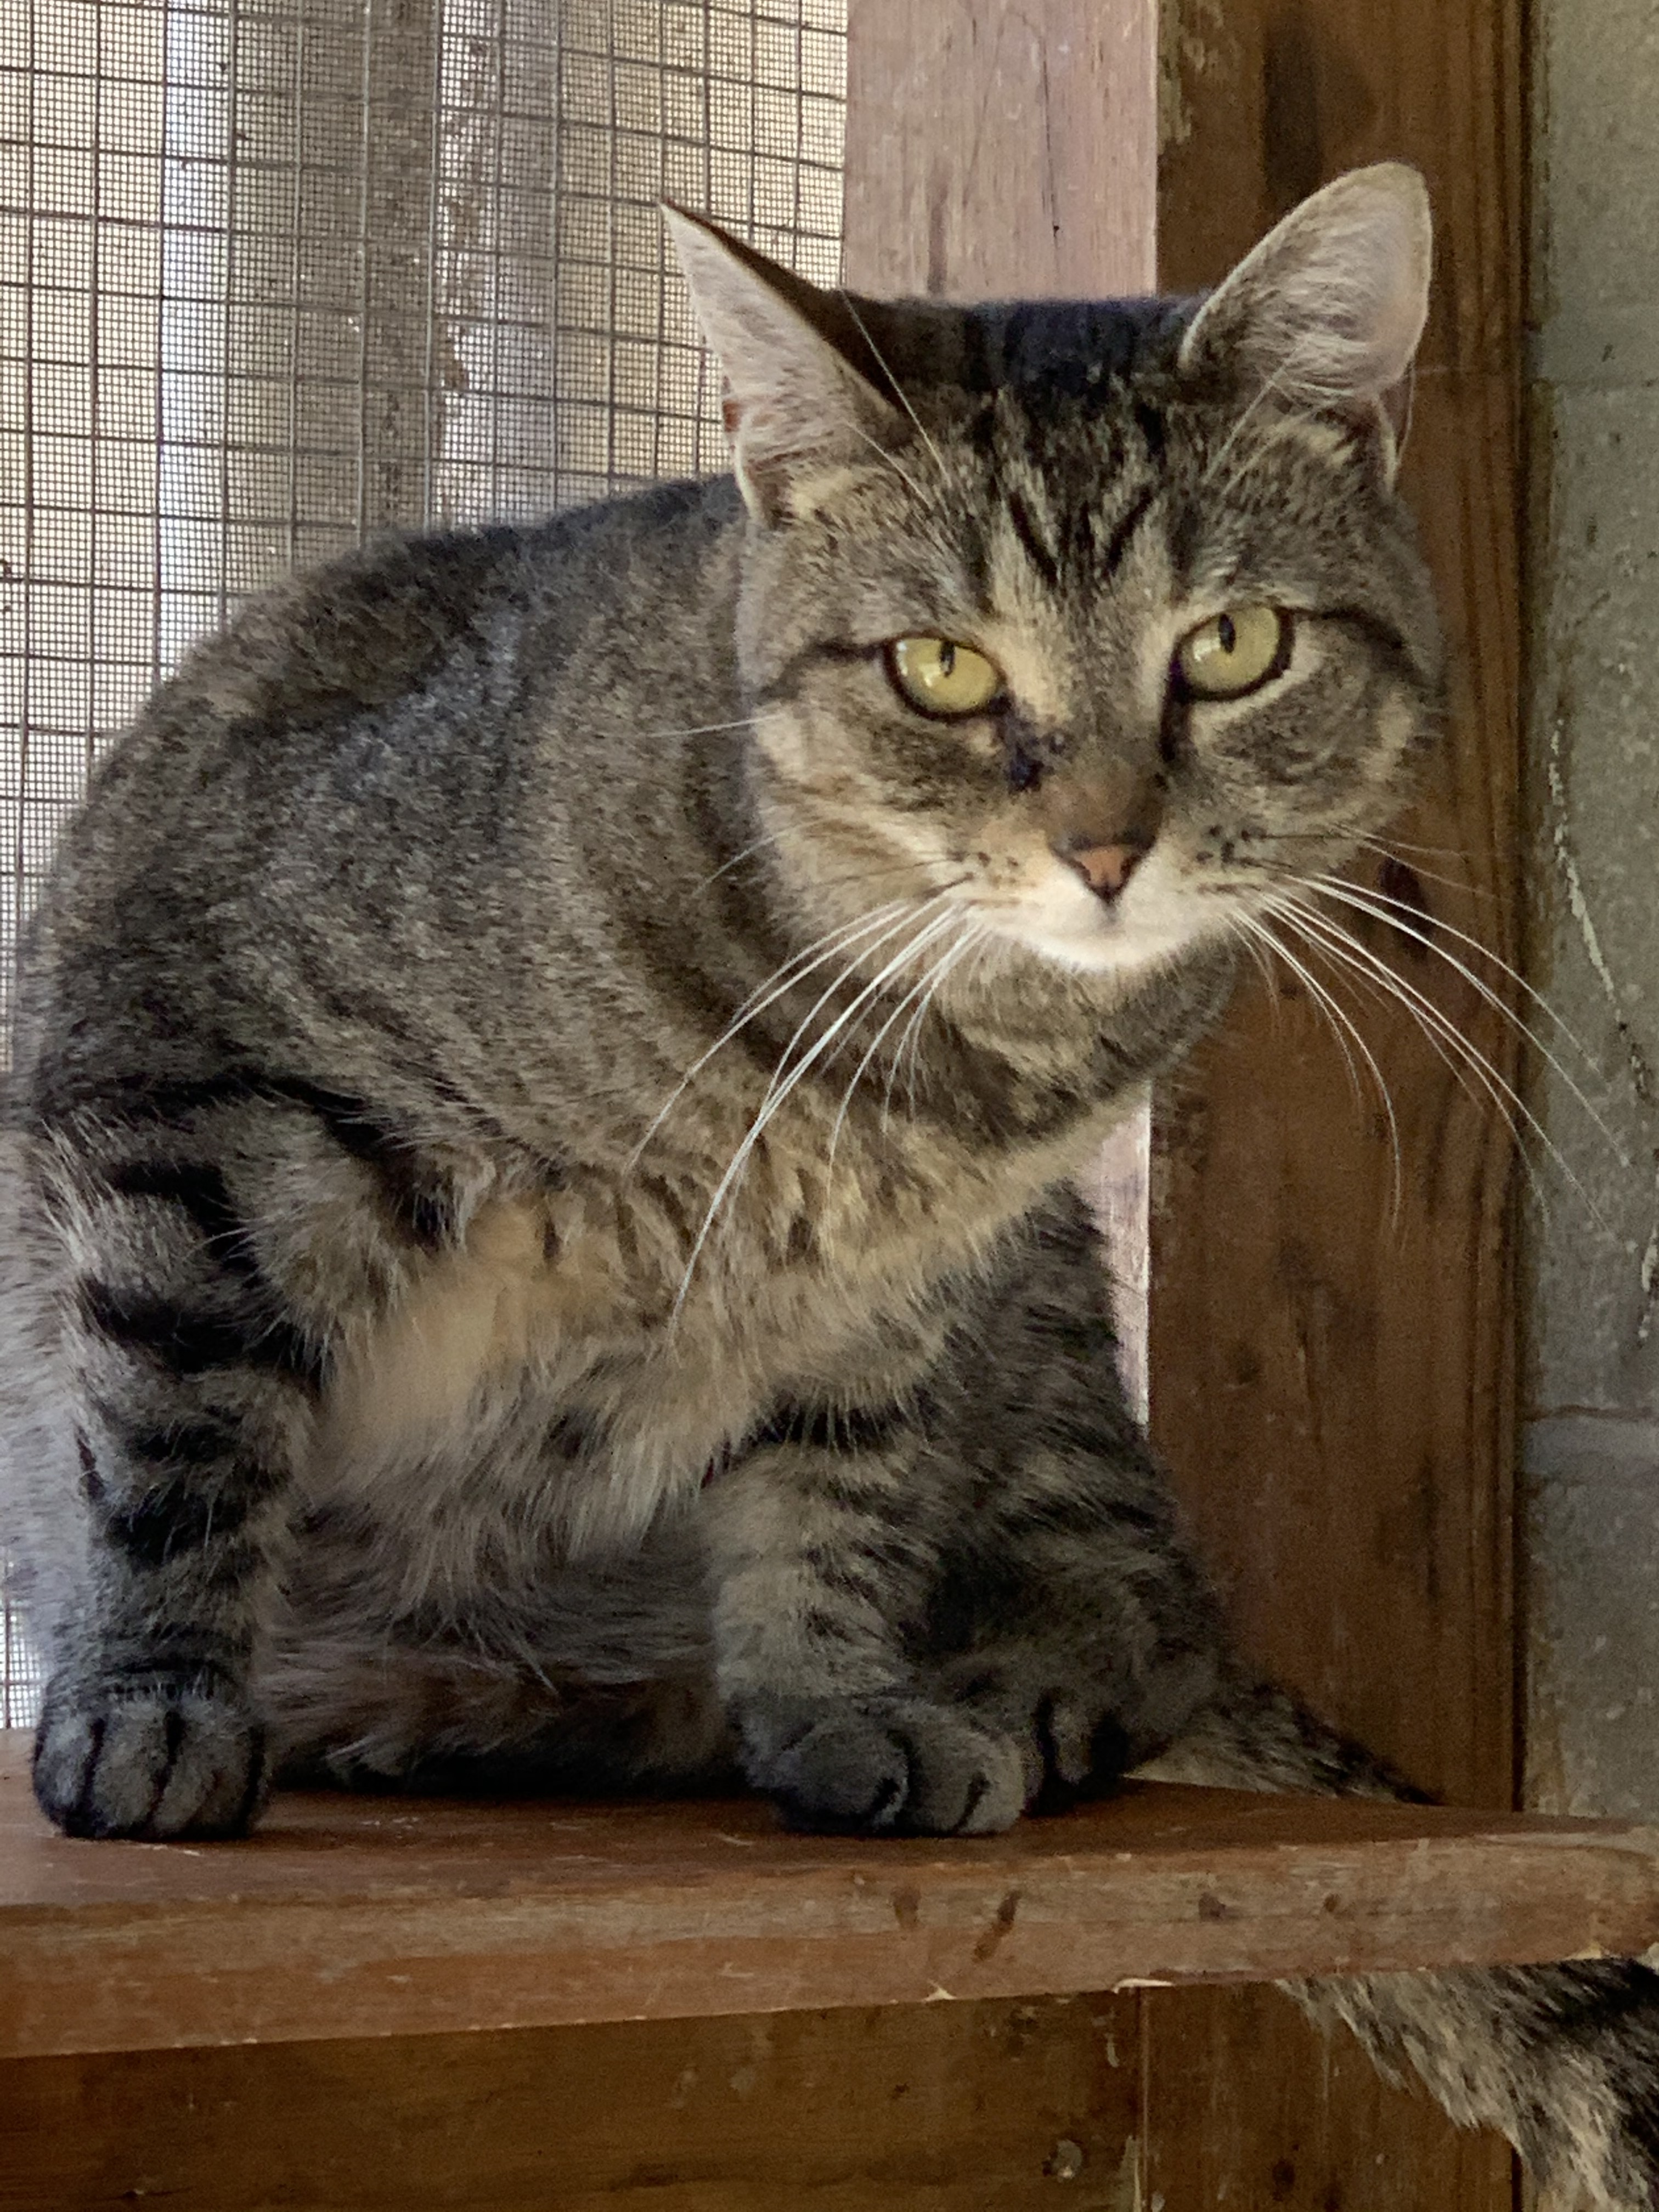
(1102, 628)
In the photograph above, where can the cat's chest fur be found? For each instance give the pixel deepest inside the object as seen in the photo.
(607, 1370)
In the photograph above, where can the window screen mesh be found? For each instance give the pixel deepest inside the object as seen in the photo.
(275, 273)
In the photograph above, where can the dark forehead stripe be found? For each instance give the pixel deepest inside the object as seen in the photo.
(1094, 529)
(1067, 349)
(1094, 441)
(1025, 529)
(1151, 424)
(1124, 528)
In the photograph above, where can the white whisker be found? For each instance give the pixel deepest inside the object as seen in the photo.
(1456, 1064)
(1269, 385)
(904, 400)
(910, 1041)
(939, 968)
(1392, 845)
(1504, 1096)
(1264, 966)
(893, 463)
(782, 1084)
(1341, 1021)
(1468, 1068)
(886, 938)
(910, 1035)
(1459, 883)
(1379, 907)
(697, 730)
(1404, 439)
(777, 985)
(744, 854)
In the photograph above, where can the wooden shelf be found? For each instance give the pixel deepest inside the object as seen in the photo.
(353, 1916)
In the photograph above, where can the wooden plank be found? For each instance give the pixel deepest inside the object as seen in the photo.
(1024, 164)
(996, 151)
(1346, 1460)
(957, 2108)
(1247, 2107)
(353, 1917)
(1346, 1455)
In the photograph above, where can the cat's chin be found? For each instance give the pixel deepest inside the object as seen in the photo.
(1124, 956)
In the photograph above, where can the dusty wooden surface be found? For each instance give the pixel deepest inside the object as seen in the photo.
(353, 1916)
(1332, 1377)
(957, 2108)
(1246, 2106)
(1001, 151)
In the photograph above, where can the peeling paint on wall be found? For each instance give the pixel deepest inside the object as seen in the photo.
(1590, 1466)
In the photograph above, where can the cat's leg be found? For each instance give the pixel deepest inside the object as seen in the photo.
(1068, 1613)
(933, 1607)
(195, 1271)
(822, 1545)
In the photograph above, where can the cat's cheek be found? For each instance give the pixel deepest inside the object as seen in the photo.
(1402, 734)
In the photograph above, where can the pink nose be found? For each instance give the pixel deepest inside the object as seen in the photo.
(1106, 868)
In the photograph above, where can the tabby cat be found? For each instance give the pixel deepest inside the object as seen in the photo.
(537, 1244)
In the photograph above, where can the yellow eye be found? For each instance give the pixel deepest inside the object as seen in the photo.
(943, 678)
(1231, 653)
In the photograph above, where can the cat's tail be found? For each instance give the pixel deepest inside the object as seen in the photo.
(1563, 2060)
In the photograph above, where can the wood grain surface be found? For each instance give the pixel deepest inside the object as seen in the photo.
(1245, 2106)
(999, 151)
(960, 2108)
(1331, 1347)
(352, 1917)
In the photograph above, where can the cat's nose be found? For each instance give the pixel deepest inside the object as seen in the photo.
(1106, 868)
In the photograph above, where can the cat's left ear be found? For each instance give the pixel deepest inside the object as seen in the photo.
(797, 411)
(1326, 312)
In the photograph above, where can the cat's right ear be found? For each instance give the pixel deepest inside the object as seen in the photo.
(797, 412)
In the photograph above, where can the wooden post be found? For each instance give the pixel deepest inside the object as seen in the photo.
(1000, 151)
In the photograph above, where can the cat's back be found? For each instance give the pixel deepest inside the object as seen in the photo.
(366, 750)
(417, 645)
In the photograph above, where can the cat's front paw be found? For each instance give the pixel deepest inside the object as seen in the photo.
(1076, 1739)
(156, 1755)
(882, 1766)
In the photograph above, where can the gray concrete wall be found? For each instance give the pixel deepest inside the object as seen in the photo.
(1591, 1357)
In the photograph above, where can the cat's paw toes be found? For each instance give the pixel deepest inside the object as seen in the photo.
(155, 1755)
(892, 1767)
(1073, 1742)
(1073, 1748)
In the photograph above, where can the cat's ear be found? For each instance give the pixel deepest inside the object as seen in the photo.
(1327, 310)
(796, 410)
